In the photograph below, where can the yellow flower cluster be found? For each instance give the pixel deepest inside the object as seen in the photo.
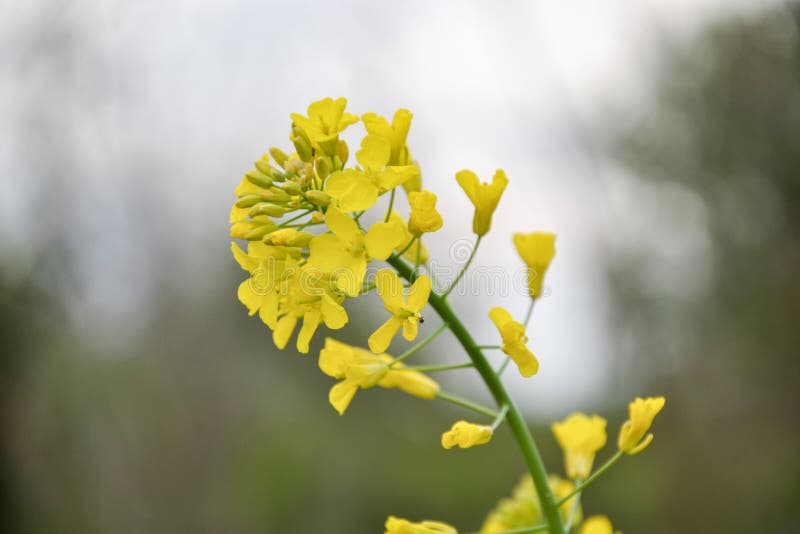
(309, 245)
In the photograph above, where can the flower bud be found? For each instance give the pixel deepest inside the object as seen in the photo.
(317, 217)
(258, 178)
(278, 155)
(288, 237)
(323, 167)
(263, 165)
(292, 188)
(318, 198)
(301, 144)
(258, 232)
(250, 200)
(342, 151)
(266, 208)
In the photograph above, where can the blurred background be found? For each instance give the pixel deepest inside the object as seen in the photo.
(658, 139)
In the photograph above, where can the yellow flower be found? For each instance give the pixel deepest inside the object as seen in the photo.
(641, 412)
(523, 508)
(514, 341)
(344, 253)
(262, 291)
(326, 118)
(424, 217)
(483, 196)
(358, 189)
(405, 314)
(309, 298)
(597, 524)
(410, 252)
(395, 133)
(466, 435)
(580, 437)
(396, 525)
(537, 251)
(358, 368)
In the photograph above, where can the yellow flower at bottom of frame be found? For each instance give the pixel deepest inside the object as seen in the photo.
(597, 524)
(523, 509)
(514, 340)
(424, 217)
(641, 413)
(484, 197)
(396, 525)
(537, 251)
(360, 369)
(580, 437)
(344, 253)
(405, 312)
(466, 435)
(410, 251)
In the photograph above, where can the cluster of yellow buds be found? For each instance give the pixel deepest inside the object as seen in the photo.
(308, 248)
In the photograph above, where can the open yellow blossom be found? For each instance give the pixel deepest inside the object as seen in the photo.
(537, 251)
(308, 298)
(267, 266)
(641, 413)
(405, 312)
(358, 189)
(466, 435)
(580, 437)
(514, 340)
(344, 253)
(326, 118)
(424, 217)
(396, 525)
(396, 133)
(410, 251)
(358, 368)
(597, 524)
(523, 509)
(484, 197)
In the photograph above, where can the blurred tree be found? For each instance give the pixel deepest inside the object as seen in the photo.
(725, 129)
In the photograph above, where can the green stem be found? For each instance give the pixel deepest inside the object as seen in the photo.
(284, 223)
(489, 347)
(434, 368)
(502, 368)
(515, 421)
(464, 268)
(500, 418)
(407, 247)
(419, 255)
(419, 346)
(530, 312)
(464, 403)
(391, 203)
(605, 467)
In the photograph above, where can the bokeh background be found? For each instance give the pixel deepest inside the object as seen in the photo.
(658, 138)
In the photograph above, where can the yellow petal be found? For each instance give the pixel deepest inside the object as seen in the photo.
(526, 362)
(380, 340)
(597, 524)
(341, 394)
(424, 217)
(418, 293)
(335, 357)
(349, 276)
(352, 189)
(382, 238)
(390, 289)
(246, 262)
(465, 435)
(283, 330)
(269, 309)
(500, 317)
(311, 321)
(333, 313)
(537, 251)
(326, 252)
(391, 177)
(410, 329)
(374, 153)
(343, 226)
(248, 297)
(411, 382)
(470, 183)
